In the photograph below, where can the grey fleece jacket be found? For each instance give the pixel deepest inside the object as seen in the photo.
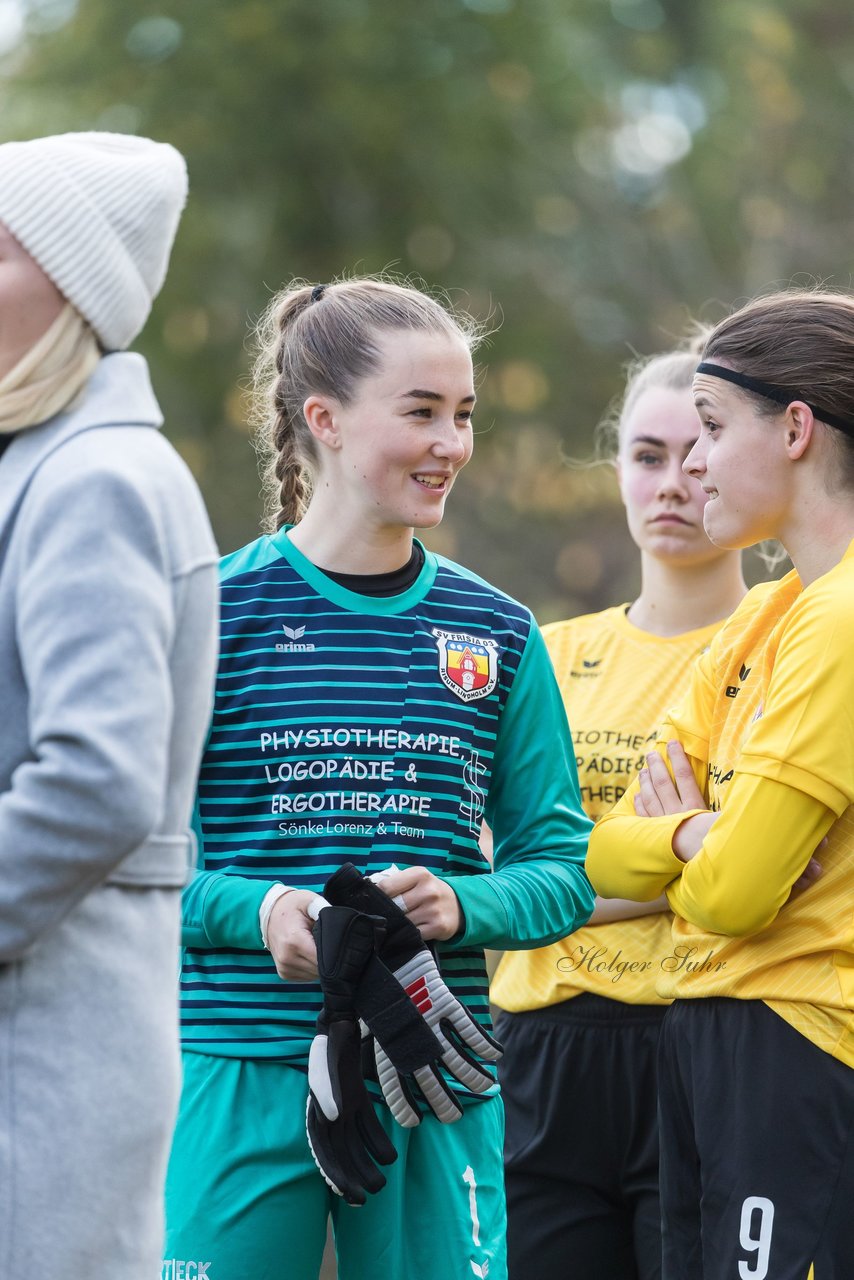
(108, 623)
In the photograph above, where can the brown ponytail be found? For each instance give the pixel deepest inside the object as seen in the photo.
(286, 450)
(290, 472)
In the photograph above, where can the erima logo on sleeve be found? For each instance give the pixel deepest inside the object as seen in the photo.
(292, 645)
(732, 690)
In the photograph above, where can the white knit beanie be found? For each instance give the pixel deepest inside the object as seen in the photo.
(98, 212)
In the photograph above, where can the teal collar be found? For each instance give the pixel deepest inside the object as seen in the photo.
(353, 600)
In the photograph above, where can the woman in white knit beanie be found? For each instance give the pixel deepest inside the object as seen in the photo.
(107, 644)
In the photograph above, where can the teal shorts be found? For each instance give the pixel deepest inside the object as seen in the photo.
(244, 1199)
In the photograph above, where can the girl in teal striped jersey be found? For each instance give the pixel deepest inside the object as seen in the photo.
(375, 702)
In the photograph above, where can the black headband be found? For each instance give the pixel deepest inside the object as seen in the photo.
(770, 392)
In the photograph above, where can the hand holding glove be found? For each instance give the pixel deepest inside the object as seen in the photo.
(410, 961)
(344, 1134)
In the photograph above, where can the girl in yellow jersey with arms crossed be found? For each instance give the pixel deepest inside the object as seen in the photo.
(583, 1015)
(756, 1086)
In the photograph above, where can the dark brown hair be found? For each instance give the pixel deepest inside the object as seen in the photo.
(323, 340)
(802, 341)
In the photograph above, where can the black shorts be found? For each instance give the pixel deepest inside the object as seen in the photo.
(581, 1148)
(757, 1148)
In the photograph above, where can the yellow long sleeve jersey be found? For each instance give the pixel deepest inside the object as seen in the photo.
(768, 723)
(617, 683)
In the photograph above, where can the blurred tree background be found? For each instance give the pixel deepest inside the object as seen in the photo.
(586, 176)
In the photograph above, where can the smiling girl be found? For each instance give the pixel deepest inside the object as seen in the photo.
(374, 702)
(756, 1084)
(583, 1020)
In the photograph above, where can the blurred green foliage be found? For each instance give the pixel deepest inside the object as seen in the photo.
(583, 176)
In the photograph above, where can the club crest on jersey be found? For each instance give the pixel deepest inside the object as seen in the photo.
(468, 665)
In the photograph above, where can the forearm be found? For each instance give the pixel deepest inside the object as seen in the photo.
(631, 857)
(524, 905)
(751, 857)
(220, 910)
(607, 910)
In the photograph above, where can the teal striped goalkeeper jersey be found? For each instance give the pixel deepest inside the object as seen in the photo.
(372, 730)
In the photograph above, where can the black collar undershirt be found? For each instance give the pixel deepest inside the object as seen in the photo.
(382, 584)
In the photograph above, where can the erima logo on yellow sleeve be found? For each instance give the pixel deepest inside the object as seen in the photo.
(732, 690)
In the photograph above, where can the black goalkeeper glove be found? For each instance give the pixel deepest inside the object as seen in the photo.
(344, 1133)
(411, 962)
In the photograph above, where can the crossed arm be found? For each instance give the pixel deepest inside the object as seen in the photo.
(696, 856)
